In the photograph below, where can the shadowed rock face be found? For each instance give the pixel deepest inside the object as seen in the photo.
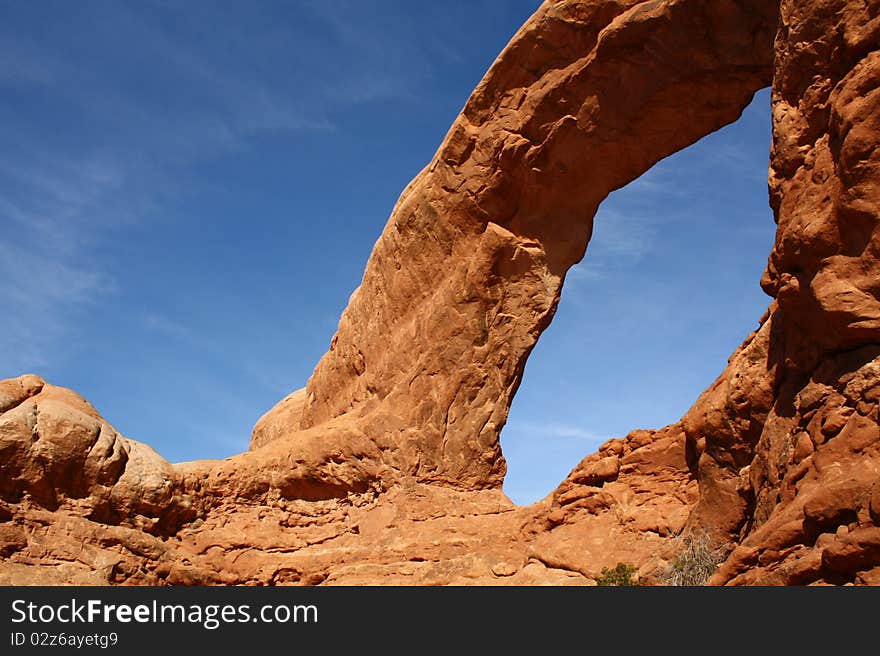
(787, 439)
(387, 469)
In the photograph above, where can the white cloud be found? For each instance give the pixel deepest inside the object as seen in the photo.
(620, 240)
(551, 430)
(61, 198)
(130, 107)
(40, 294)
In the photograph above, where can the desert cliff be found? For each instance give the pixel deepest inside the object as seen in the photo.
(386, 468)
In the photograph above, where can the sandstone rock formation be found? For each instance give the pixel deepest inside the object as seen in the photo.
(792, 422)
(468, 272)
(243, 522)
(387, 468)
(277, 423)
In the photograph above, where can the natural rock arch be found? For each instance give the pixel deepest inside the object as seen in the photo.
(667, 290)
(780, 456)
(468, 272)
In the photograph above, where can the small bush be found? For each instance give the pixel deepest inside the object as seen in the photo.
(622, 575)
(696, 563)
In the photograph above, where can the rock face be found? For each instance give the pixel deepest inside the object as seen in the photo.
(278, 422)
(387, 468)
(55, 449)
(281, 515)
(789, 434)
(468, 272)
(626, 503)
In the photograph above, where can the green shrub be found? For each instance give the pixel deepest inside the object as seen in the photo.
(622, 575)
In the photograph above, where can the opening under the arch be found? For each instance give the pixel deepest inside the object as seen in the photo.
(666, 292)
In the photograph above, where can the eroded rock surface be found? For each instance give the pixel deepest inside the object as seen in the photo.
(786, 442)
(387, 469)
(627, 503)
(279, 520)
(468, 271)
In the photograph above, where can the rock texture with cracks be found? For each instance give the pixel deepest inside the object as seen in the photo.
(386, 468)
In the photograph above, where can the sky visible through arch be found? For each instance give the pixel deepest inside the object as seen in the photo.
(189, 193)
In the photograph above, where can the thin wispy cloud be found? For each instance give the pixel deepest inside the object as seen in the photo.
(113, 156)
(274, 377)
(657, 180)
(625, 234)
(41, 296)
(550, 431)
(385, 69)
(170, 328)
(737, 159)
(620, 241)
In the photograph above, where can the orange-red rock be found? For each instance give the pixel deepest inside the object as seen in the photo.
(387, 468)
(468, 272)
(812, 370)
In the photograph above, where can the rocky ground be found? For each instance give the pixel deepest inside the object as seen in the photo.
(634, 496)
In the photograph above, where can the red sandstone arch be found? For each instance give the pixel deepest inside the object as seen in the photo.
(468, 272)
(785, 445)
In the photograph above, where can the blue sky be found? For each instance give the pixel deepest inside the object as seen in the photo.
(189, 193)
